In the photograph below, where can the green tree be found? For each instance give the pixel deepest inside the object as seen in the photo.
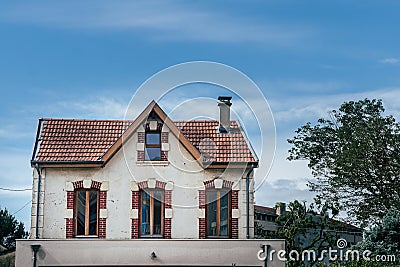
(10, 229)
(383, 239)
(306, 228)
(355, 158)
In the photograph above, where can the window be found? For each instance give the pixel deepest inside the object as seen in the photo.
(218, 213)
(153, 145)
(86, 212)
(152, 212)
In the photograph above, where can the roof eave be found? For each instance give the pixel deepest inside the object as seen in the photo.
(37, 139)
(69, 164)
(217, 165)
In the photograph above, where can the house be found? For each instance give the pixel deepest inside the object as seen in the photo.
(148, 191)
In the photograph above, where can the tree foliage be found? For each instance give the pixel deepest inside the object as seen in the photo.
(355, 158)
(383, 239)
(10, 229)
(306, 228)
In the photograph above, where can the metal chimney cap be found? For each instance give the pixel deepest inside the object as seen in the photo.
(224, 98)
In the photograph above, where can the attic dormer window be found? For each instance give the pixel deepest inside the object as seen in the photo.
(153, 145)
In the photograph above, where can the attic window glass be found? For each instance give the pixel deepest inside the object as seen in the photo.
(218, 213)
(86, 212)
(153, 145)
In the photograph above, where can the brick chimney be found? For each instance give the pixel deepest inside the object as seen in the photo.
(224, 105)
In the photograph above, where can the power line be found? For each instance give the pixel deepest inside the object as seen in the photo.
(15, 190)
(26, 204)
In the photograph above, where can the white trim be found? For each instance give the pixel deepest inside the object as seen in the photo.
(235, 213)
(140, 146)
(218, 183)
(169, 185)
(168, 213)
(134, 186)
(87, 184)
(103, 213)
(200, 185)
(69, 186)
(236, 185)
(134, 213)
(201, 213)
(141, 129)
(151, 183)
(164, 147)
(152, 163)
(69, 213)
(153, 125)
(165, 129)
(104, 186)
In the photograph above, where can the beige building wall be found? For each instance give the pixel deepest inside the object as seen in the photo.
(170, 252)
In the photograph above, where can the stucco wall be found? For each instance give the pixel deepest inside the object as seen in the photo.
(182, 172)
(178, 252)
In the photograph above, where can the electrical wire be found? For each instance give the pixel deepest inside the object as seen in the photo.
(15, 190)
(26, 204)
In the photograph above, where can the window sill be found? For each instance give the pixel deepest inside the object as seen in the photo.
(86, 236)
(152, 237)
(218, 237)
(152, 163)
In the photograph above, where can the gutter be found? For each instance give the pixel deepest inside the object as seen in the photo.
(51, 162)
(248, 201)
(37, 201)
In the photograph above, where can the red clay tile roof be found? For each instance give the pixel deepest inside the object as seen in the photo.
(213, 146)
(77, 140)
(263, 209)
(73, 140)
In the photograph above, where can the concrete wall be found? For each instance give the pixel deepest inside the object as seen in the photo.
(181, 171)
(178, 252)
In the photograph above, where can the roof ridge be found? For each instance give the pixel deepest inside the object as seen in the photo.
(120, 120)
(73, 119)
(77, 119)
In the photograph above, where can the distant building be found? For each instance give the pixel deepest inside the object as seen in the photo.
(265, 217)
(264, 220)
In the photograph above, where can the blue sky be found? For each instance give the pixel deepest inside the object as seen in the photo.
(85, 59)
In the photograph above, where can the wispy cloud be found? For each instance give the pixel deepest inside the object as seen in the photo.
(13, 132)
(308, 87)
(98, 108)
(283, 190)
(159, 20)
(311, 108)
(16, 171)
(390, 60)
